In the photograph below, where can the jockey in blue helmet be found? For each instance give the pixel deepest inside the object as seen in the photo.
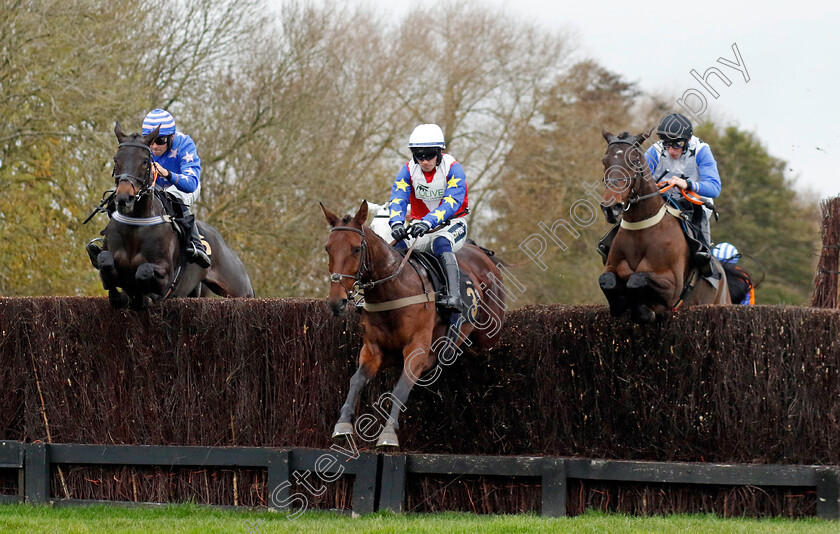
(740, 288)
(179, 174)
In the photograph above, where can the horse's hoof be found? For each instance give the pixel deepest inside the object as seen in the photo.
(388, 438)
(342, 430)
(607, 281)
(140, 304)
(638, 281)
(118, 299)
(145, 273)
(644, 315)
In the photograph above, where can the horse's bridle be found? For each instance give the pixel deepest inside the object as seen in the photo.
(335, 278)
(640, 175)
(146, 183)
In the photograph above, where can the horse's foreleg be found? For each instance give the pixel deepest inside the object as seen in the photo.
(613, 288)
(369, 361)
(110, 280)
(151, 278)
(646, 290)
(107, 271)
(117, 298)
(416, 360)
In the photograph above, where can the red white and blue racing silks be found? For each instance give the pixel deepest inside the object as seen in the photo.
(435, 197)
(696, 164)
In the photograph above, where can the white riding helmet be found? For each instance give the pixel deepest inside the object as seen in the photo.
(427, 135)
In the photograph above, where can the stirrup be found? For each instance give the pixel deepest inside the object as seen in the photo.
(453, 303)
(198, 256)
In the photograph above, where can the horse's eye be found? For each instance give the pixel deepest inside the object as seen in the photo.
(356, 250)
(327, 248)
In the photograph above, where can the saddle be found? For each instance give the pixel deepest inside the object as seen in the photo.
(435, 270)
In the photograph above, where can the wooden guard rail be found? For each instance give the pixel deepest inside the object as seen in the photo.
(380, 478)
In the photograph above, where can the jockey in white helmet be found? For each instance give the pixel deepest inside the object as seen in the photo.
(433, 188)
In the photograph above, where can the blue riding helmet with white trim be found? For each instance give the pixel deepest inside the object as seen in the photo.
(726, 253)
(159, 117)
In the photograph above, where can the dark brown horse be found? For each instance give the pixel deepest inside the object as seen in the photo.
(402, 332)
(647, 269)
(142, 259)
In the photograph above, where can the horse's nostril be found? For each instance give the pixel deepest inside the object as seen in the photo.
(338, 307)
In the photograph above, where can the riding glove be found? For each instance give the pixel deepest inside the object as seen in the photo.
(398, 232)
(418, 229)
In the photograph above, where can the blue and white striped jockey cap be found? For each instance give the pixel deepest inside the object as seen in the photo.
(725, 252)
(159, 117)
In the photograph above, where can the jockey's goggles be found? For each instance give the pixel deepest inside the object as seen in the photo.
(161, 140)
(673, 143)
(421, 155)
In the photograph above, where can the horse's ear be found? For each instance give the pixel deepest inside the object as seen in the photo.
(361, 215)
(149, 137)
(332, 218)
(119, 133)
(607, 135)
(644, 135)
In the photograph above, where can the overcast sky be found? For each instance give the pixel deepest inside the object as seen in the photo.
(791, 52)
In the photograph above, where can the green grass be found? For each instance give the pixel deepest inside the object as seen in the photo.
(194, 519)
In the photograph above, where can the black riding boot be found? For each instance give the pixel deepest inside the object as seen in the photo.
(196, 252)
(701, 252)
(453, 281)
(702, 257)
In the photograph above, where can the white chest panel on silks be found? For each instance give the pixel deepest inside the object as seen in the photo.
(685, 166)
(431, 193)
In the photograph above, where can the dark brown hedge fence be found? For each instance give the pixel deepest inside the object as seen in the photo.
(728, 384)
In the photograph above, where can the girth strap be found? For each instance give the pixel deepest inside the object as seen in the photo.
(399, 303)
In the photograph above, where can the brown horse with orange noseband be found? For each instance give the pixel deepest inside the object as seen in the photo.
(647, 269)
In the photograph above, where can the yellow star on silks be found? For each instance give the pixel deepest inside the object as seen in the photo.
(453, 182)
(439, 215)
(396, 201)
(395, 213)
(449, 200)
(402, 185)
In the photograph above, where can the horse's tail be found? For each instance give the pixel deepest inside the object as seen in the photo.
(739, 280)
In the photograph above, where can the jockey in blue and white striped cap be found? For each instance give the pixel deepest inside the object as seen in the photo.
(159, 117)
(726, 253)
